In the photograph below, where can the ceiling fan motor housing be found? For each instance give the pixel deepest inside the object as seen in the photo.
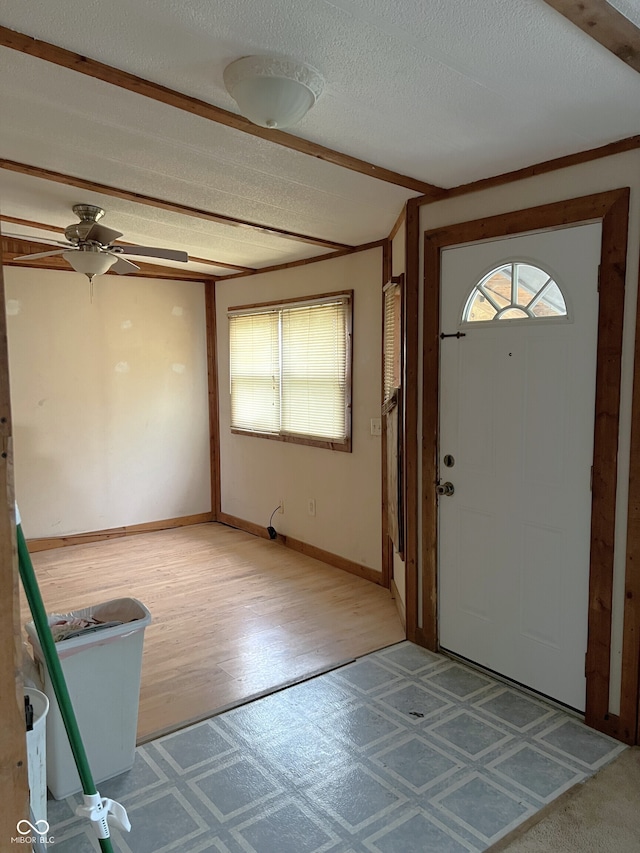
(89, 214)
(88, 211)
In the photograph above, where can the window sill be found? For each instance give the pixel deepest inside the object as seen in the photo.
(343, 446)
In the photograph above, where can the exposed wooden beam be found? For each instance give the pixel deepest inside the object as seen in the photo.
(304, 261)
(13, 248)
(178, 100)
(399, 222)
(58, 230)
(631, 143)
(605, 24)
(162, 204)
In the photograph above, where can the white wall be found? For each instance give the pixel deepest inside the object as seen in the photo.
(609, 173)
(257, 473)
(397, 268)
(109, 400)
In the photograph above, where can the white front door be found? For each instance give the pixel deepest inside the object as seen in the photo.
(516, 441)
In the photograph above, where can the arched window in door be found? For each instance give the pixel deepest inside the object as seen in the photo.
(515, 291)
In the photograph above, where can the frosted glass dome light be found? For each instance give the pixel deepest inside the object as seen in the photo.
(272, 92)
(90, 260)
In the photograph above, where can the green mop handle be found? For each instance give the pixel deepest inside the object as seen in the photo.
(36, 605)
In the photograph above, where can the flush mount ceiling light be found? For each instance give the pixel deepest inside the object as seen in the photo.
(272, 92)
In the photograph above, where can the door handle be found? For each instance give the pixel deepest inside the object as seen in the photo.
(446, 489)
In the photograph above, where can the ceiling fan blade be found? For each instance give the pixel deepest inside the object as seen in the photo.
(39, 255)
(122, 266)
(150, 252)
(101, 234)
(43, 240)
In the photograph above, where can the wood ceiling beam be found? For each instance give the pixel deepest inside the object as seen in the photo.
(605, 24)
(12, 249)
(98, 70)
(14, 220)
(376, 244)
(162, 204)
(631, 143)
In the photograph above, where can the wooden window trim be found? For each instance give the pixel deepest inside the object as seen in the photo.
(297, 439)
(302, 300)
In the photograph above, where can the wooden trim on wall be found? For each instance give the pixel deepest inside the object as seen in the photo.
(386, 544)
(399, 222)
(56, 229)
(293, 300)
(395, 594)
(13, 248)
(630, 143)
(212, 381)
(430, 436)
(603, 23)
(154, 91)
(615, 222)
(365, 247)
(342, 447)
(612, 208)
(327, 557)
(242, 524)
(14, 788)
(401, 553)
(47, 543)
(162, 204)
(410, 436)
(333, 560)
(630, 689)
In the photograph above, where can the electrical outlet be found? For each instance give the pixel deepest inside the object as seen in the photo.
(311, 506)
(281, 507)
(376, 426)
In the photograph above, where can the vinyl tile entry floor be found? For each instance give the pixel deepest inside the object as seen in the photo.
(402, 751)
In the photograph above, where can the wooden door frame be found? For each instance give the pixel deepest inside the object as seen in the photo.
(14, 787)
(611, 209)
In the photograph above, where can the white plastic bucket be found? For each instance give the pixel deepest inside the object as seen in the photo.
(37, 754)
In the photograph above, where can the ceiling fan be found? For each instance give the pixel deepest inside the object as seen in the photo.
(91, 250)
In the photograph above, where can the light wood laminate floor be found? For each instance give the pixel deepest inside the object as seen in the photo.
(233, 615)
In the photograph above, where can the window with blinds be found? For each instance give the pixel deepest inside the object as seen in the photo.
(290, 370)
(392, 339)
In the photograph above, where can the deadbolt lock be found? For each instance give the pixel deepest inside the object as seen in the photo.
(446, 489)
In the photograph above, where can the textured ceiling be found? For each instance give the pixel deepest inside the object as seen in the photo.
(629, 8)
(446, 91)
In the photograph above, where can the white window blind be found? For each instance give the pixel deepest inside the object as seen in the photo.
(255, 374)
(290, 369)
(392, 335)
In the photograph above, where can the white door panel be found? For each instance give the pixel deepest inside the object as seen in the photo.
(516, 413)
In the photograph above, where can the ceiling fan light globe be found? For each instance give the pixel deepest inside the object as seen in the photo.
(90, 262)
(272, 92)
